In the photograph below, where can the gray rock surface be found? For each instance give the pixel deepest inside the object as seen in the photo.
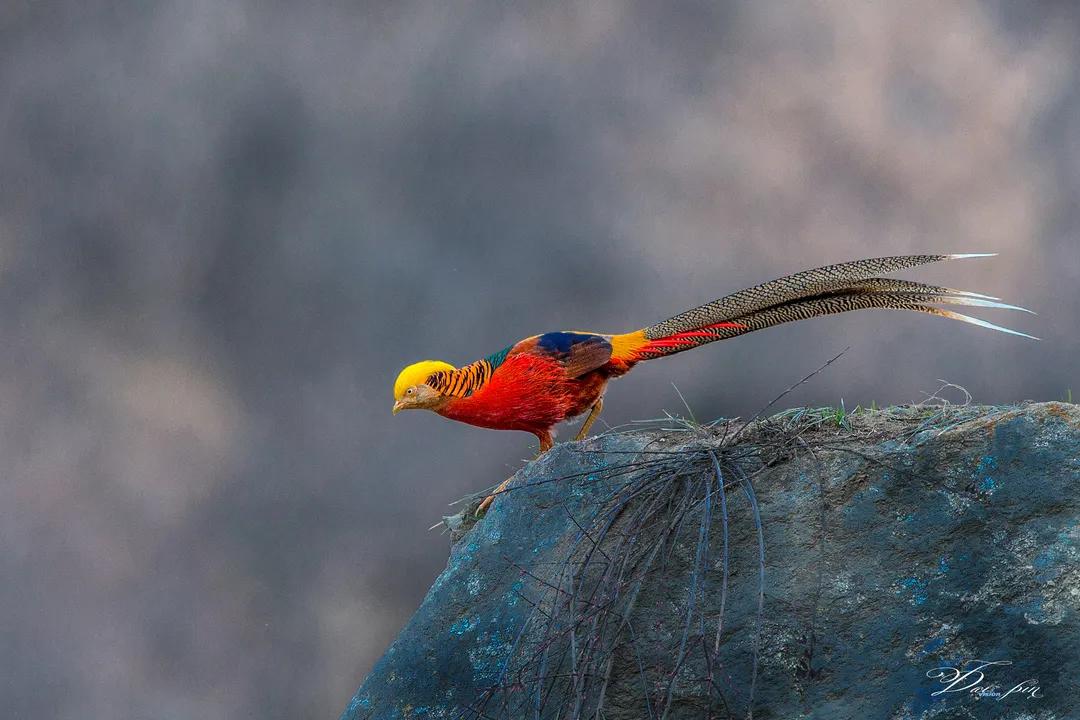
(897, 544)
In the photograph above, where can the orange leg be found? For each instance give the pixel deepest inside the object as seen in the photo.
(546, 442)
(593, 414)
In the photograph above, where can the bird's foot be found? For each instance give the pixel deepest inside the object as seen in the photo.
(482, 509)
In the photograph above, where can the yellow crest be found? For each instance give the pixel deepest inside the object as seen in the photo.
(417, 374)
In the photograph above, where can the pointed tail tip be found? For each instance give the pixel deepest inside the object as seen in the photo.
(981, 323)
(982, 301)
(968, 293)
(962, 256)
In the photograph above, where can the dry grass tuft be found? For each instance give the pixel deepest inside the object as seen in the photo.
(676, 495)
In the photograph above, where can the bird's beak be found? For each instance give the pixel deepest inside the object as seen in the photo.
(398, 407)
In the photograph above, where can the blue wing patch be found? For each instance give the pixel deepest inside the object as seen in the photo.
(577, 352)
(558, 343)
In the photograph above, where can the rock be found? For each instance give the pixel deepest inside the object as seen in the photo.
(897, 545)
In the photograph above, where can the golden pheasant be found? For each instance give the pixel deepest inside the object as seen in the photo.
(543, 380)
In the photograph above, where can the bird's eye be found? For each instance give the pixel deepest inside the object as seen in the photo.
(410, 391)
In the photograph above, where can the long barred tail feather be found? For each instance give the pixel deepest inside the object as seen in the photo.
(807, 283)
(812, 293)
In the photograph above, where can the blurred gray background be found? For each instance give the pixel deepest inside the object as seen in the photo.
(226, 225)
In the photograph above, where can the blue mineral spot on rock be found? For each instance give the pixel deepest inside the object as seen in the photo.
(464, 625)
(487, 659)
(1048, 565)
(1048, 574)
(515, 593)
(467, 551)
(987, 464)
(358, 703)
(1034, 612)
(943, 565)
(473, 583)
(933, 645)
(917, 588)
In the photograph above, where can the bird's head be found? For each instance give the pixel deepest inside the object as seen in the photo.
(411, 391)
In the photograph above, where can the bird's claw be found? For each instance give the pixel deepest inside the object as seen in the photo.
(482, 509)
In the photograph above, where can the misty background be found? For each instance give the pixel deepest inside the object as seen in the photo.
(226, 225)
